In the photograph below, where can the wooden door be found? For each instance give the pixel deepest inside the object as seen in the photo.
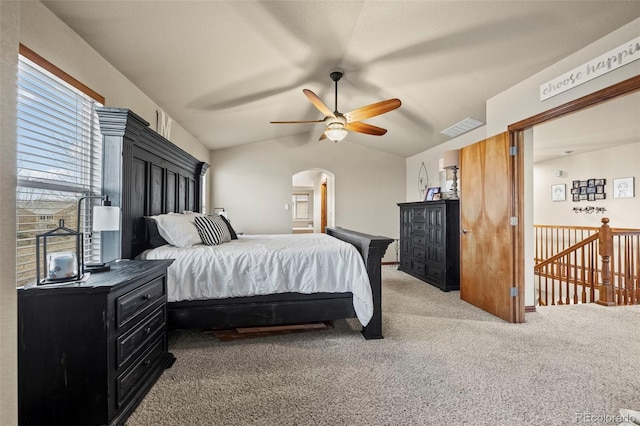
(487, 240)
(323, 206)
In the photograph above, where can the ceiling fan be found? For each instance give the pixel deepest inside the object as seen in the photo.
(338, 124)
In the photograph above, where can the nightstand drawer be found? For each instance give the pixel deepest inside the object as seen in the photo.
(132, 341)
(136, 301)
(129, 381)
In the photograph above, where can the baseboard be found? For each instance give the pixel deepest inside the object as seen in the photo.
(390, 263)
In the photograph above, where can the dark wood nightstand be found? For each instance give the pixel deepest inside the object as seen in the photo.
(88, 353)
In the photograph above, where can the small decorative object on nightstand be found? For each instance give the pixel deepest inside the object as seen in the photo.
(89, 352)
(63, 266)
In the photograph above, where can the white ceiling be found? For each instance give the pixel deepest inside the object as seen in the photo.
(225, 69)
(612, 123)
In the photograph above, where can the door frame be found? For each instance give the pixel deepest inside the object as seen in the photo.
(516, 137)
(323, 205)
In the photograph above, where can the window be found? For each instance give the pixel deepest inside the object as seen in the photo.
(59, 152)
(300, 206)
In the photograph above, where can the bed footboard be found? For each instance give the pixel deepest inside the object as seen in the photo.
(372, 249)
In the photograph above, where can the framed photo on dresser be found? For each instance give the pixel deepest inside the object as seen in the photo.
(431, 193)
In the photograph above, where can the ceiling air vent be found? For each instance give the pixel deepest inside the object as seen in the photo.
(462, 127)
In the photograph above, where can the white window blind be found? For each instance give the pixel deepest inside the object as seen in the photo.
(59, 160)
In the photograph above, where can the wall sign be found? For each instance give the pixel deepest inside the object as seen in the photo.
(615, 58)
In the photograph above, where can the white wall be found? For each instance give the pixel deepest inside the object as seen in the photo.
(253, 182)
(9, 30)
(621, 161)
(431, 159)
(523, 100)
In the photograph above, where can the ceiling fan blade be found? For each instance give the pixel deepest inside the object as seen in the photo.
(317, 102)
(365, 128)
(297, 122)
(372, 110)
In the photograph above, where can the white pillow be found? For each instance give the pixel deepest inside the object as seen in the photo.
(178, 229)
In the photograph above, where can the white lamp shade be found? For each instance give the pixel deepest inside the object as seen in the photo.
(451, 159)
(106, 218)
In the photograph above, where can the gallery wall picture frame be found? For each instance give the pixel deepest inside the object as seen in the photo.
(624, 187)
(431, 193)
(558, 192)
(588, 190)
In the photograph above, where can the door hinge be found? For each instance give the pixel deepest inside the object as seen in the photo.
(513, 221)
(514, 291)
(513, 150)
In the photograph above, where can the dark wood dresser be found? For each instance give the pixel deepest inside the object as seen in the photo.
(88, 353)
(430, 242)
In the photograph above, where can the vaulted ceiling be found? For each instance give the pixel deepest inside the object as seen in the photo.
(225, 69)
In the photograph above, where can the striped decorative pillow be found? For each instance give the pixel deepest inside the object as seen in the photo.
(212, 230)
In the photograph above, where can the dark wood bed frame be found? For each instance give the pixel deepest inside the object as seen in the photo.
(145, 174)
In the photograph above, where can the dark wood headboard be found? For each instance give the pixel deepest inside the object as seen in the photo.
(145, 174)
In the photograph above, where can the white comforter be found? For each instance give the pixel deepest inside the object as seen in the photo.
(267, 264)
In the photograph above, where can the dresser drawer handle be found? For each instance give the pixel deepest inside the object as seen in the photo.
(146, 297)
(147, 330)
(147, 362)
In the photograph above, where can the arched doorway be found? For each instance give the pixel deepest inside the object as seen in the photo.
(312, 200)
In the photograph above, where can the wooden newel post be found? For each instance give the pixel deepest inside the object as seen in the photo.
(605, 243)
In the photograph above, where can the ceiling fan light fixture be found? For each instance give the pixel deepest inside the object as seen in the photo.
(336, 132)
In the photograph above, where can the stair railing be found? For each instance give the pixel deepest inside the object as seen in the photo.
(602, 268)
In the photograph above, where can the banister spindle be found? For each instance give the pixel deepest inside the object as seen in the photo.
(605, 244)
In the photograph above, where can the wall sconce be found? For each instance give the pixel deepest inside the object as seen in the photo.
(451, 160)
(589, 209)
(220, 211)
(105, 218)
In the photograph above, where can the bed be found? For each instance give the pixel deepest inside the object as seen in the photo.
(146, 175)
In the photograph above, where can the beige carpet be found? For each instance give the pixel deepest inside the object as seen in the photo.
(442, 362)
